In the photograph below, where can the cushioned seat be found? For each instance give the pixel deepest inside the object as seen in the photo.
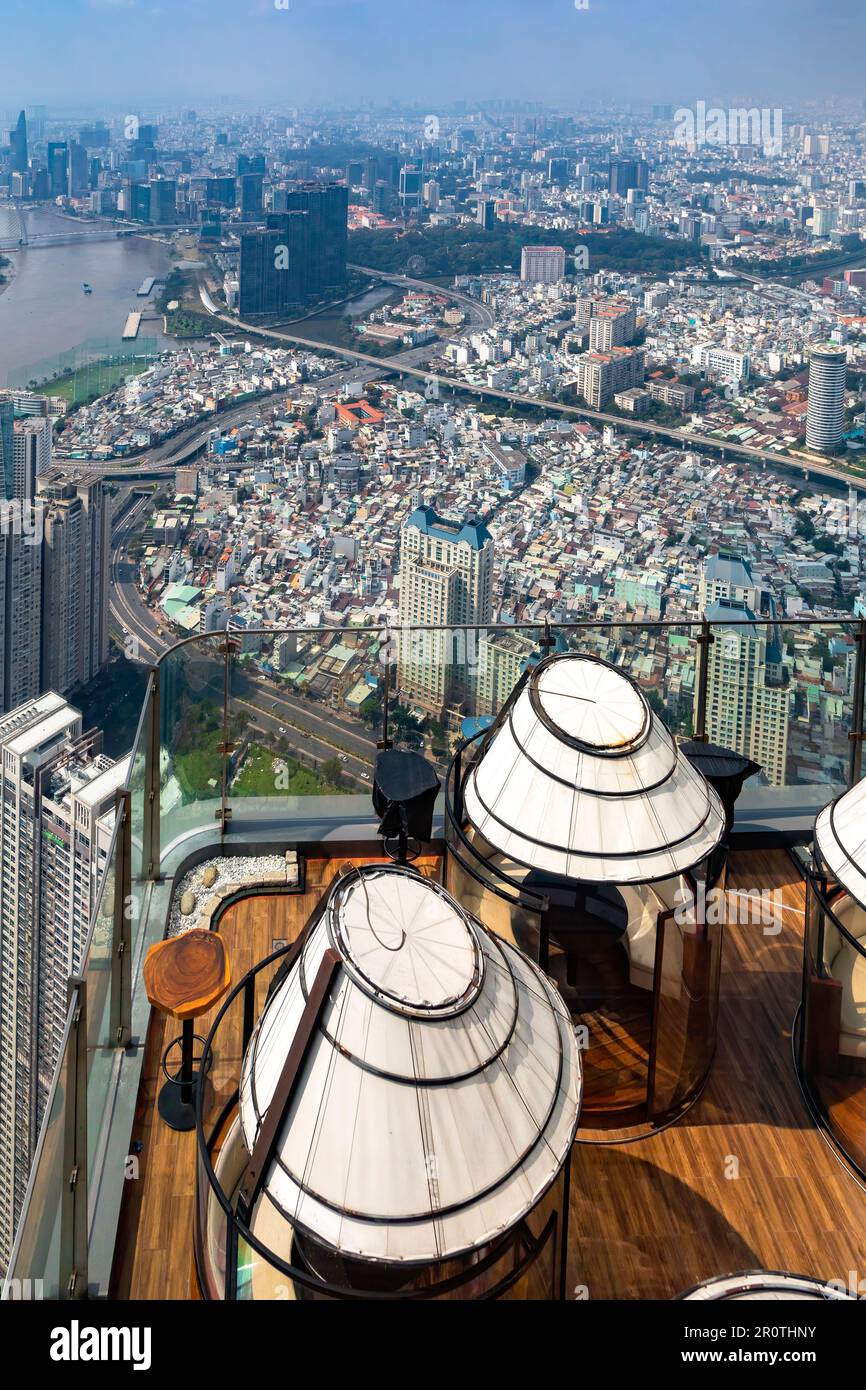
(845, 963)
(645, 903)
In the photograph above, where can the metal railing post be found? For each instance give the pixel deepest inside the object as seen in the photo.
(384, 650)
(73, 1205)
(226, 748)
(121, 941)
(151, 845)
(705, 641)
(855, 763)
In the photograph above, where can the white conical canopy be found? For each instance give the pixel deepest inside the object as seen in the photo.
(840, 834)
(438, 1099)
(581, 779)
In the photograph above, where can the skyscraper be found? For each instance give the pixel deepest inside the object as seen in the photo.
(624, 174)
(18, 144)
(76, 522)
(7, 447)
(299, 257)
(57, 801)
(748, 694)
(828, 373)
(446, 576)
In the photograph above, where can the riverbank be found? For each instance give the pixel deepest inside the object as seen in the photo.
(7, 273)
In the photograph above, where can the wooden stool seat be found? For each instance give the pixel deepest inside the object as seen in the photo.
(186, 975)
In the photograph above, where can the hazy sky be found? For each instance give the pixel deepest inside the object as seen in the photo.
(147, 52)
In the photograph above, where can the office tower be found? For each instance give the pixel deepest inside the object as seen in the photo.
(275, 267)
(163, 201)
(411, 180)
(748, 692)
(626, 174)
(31, 455)
(446, 575)
(327, 207)
(487, 213)
(58, 158)
(828, 374)
(542, 265)
(221, 192)
(18, 144)
(57, 802)
(7, 447)
(300, 256)
(77, 170)
(251, 195)
(251, 164)
(432, 194)
(557, 170)
(139, 202)
(613, 324)
(600, 375)
(76, 522)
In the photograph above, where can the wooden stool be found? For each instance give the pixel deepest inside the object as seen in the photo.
(184, 977)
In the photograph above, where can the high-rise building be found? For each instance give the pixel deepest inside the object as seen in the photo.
(748, 692)
(542, 265)
(18, 144)
(828, 374)
(446, 576)
(58, 157)
(251, 195)
(76, 522)
(625, 174)
(411, 188)
(163, 201)
(600, 375)
(487, 213)
(77, 170)
(300, 256)
(20, 611)
(7, 447)
(31, 455)
(502, 657)
(57, 800)
(613, 324)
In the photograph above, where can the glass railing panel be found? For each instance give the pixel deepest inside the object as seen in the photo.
(832, 1037)
(35, 1268)
(783, 695)
(192, 732)
(304, 720)
(136, 782)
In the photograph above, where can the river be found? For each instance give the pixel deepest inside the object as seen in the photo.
(44, 312)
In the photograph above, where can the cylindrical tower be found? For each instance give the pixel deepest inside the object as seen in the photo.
(827, 377)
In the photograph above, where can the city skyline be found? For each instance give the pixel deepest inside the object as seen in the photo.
(373, 51)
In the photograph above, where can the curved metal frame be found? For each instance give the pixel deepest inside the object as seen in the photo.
(765, 1281)
(473, 863)
(237, 1229)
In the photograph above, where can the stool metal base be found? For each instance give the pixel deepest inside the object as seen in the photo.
(178, 1113)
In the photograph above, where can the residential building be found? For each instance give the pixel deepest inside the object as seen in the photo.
(446, 575)
(748, 691)
(542, 265)
(57, 808)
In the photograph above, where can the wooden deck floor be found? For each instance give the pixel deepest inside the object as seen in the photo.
(744, 1181)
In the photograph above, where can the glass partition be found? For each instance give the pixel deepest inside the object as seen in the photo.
(193, 731)
(303, 720)
(832, 1034)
